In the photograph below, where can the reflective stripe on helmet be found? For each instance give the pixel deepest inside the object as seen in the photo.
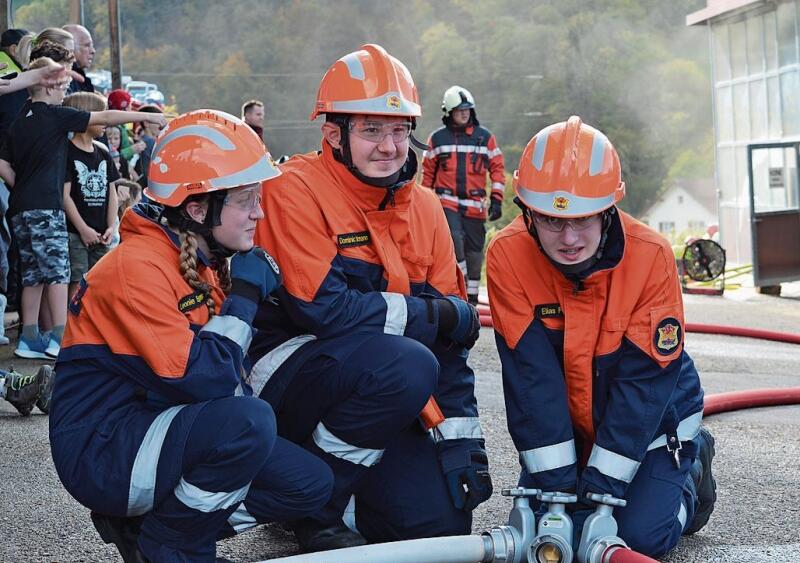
(354, 66)
(599, 145)
(258, 172)
(564, 204)
(215, 137)
(388, 104)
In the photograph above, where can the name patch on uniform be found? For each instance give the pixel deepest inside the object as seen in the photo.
(347, 240)
(192, 301)
(667, 336)
(548, 311)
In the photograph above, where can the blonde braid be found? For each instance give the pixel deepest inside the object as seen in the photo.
(189, 268)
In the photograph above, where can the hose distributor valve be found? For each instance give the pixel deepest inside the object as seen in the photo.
(553, 542)
(600, 530)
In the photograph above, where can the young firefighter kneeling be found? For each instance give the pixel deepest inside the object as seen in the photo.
(588, 316)
(152, 426)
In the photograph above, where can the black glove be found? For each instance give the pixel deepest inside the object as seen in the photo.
(254, 274)
(466, 471)
(458, 321)
(495, 210)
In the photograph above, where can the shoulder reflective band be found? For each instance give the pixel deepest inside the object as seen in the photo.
(396, 313)
(612, 464)
(547, 458)
(329, 443)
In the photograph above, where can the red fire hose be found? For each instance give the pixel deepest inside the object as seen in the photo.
(619, 554)
(486, 320)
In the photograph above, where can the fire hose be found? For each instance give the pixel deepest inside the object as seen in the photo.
(520, 541)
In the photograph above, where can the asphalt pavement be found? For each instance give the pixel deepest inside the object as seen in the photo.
(756, 465)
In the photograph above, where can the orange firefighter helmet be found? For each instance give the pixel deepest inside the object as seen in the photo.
(569, 169)
(368, 81)
(204, 151)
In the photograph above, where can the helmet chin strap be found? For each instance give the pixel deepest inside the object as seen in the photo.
(582, 266)
(391, 183)
(179, 219)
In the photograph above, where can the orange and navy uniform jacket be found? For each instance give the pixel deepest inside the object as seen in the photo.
(595, 361)
(455, 167)
(356, 261)
(138, 337)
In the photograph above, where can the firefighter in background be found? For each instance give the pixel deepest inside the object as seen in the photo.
(371, 320)
(455, 165)
(152, 426)
(600, 395)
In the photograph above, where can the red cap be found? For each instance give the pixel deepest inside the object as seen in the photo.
(119, 99)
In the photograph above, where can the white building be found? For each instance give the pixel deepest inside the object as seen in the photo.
(688, 205)
(755, 66)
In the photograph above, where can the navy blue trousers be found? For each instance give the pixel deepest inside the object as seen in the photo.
(353, 401)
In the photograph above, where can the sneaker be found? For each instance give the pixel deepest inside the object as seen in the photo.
(46, 392)
(315, 536)
(4, 341)
(53, 348)
(23, 390)
(122, 532)
(704, 482)
(32, 349)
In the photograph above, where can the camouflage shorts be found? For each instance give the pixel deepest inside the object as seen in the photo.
(41, 236)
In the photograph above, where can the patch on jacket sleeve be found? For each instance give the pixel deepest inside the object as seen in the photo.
(346, 240)
(192, 301)
(668, 336)
(548, 311)
(75, 303)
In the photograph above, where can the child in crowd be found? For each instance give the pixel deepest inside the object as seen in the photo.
(114, 138)
(32, 164)
(90, 198)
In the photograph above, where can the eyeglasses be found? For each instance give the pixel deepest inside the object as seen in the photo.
(246, 200)
(376, 132)
(556, 224)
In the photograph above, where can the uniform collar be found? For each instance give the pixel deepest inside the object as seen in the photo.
(370, 197)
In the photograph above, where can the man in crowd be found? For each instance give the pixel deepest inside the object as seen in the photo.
(84, 57)
(253, 115)
(460, 156)
(371, 321)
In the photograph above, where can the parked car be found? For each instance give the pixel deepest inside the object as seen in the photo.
(139, 89)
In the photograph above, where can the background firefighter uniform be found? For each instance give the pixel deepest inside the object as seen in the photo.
(595, 368)
(144, 420)
(349, 355)
(455, 167)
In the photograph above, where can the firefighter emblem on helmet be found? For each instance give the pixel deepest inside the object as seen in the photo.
(667, 336)
(393, 102)
(560, 203)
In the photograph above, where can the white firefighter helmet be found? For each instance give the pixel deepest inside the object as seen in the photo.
(457, 97)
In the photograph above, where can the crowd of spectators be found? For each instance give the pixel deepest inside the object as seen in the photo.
(69, 167)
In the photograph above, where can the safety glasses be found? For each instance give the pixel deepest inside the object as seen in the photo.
(376, 132)
(557, 224)
(246, 200)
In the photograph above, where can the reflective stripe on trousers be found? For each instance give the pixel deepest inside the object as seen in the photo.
(329, 443)
(143, 474)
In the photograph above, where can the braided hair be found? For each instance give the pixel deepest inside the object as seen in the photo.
(188, 259)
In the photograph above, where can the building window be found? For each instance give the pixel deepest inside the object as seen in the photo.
(697, 225)
(666, 226)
